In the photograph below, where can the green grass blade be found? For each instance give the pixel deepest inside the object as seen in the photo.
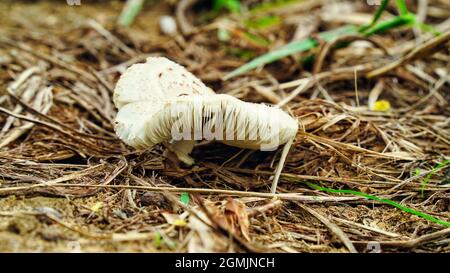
(230, 5)
(429, 28)
(332, 35)
(427, 178)
(402, 8)
(157, 239)
(291, 48)
(264, 22)
(184, 198)
(376, 16)
(404, 20)
(130, 11)
(383, 200)
(273, 56)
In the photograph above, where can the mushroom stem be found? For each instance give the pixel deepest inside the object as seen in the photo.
(182, 149)
(280, 165)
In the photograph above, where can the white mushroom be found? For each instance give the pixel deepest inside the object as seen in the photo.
(160, 101)
(168, 25)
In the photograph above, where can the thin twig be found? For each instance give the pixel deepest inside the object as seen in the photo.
(335, 229)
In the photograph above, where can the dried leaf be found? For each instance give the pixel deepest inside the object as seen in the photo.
(203, 237)
(237, 217)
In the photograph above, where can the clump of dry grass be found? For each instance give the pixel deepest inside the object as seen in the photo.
(57, 140)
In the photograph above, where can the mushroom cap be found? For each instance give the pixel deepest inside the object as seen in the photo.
(156, 80)
(144, 89)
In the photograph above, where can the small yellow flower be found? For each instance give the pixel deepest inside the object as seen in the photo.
(381, 106)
